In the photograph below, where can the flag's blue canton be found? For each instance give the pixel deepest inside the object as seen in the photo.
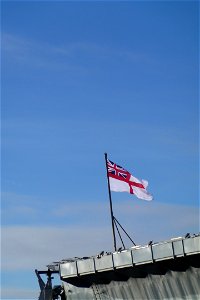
(117, 170)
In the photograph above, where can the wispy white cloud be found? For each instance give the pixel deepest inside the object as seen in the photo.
(40, 54)
(28, 247)
(15, 206)
(34, 247)
(33, 134)
(80, 210)
(37, 54)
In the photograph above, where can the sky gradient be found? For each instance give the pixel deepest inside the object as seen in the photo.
(80, 79)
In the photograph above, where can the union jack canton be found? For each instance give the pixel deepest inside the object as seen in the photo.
(117, 171)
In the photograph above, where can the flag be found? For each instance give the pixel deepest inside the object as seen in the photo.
(122, 181)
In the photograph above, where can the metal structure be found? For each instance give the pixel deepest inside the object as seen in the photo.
(47, 292)
(164, 270)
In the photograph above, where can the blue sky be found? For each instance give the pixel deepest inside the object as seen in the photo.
(80, 79)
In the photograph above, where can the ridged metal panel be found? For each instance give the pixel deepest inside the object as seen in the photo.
(68, 269)
(76, 293)
(162, 251)
(171, 286)
(85, 266)
(104, 263)
(122, 259)
(178, 248)
(191, 245)
(142, 255)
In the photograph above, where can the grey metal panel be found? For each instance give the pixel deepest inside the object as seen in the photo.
(171, 286)
(178, 248)
(162, 251)
(142, 255)
(68, 269)
(85, 266)
(104, 263)
(78, 293)
(122, 259)
(192, 245)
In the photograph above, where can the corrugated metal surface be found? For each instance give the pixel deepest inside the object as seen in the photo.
(172, 285)
(176, 285)
(76, 293)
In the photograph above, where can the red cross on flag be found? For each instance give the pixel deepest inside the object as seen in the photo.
(122, 181)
